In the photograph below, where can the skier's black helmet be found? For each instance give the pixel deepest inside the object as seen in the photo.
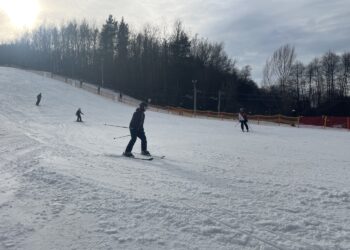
(143, 105)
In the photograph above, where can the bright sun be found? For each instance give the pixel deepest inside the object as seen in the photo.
(23, 13)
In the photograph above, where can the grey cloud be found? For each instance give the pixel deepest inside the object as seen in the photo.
(313, 27)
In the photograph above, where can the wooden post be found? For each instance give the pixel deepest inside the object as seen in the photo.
(298, 121)
(279, 119)
(348, 121)
(194, 97)
(325, 122)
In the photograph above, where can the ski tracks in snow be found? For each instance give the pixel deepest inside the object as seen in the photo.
(281, 226)
(37, 197)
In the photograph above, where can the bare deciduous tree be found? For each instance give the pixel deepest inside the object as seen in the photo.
(344, 81)
(278, 68)
(297, 81)
(330, 63)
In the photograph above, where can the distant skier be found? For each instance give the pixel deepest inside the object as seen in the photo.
(243, 119)
(38, 99)
(136, 130)
(78, 114)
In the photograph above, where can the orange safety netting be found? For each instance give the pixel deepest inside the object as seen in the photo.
(325, 121)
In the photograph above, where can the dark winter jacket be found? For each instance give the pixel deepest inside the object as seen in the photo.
(137, 120)
(78, 113)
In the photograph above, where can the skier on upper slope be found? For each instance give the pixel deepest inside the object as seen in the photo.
(78, 114)
(38, 99)
(136, 130)
(243, 119)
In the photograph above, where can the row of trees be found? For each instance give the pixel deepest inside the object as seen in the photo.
(169, 69)
(322, 86)
(146, 64)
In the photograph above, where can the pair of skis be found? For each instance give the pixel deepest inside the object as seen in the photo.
(146, 158)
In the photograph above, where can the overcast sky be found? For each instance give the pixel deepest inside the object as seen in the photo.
(250, 29)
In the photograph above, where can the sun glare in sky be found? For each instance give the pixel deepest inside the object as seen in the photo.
(23, 13)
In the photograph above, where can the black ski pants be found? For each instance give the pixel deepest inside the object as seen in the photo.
(244, 124)
(78, 118)
(134, 134)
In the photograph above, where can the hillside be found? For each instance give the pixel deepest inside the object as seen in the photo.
(64, 185)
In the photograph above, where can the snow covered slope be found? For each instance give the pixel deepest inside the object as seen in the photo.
(63, 184)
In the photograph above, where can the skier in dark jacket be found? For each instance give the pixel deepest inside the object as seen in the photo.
(136, 130)
(78, 114)
(38, 99)
(243, 119)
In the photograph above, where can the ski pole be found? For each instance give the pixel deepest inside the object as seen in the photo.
(112, 125)
(120, 137)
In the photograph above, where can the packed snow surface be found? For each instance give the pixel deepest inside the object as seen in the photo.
(64, 185)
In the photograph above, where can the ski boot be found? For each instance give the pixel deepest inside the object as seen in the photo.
(128, 154)
(145, 152)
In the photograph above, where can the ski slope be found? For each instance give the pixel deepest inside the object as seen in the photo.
(63, 184)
